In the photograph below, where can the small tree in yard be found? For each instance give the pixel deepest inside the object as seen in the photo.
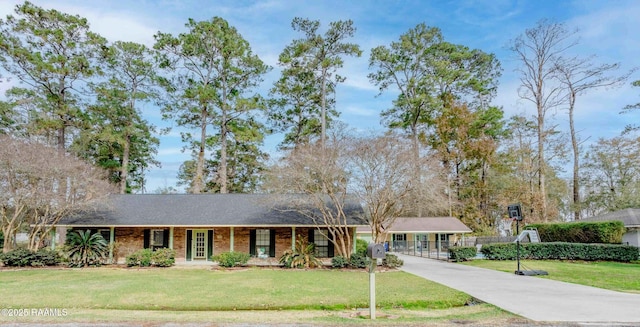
(39, 185)
(318, 173)
(383, 179)
(86, 249)
(376, 173)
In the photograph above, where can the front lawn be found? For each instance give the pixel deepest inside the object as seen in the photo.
(112, 294)
(623, 277)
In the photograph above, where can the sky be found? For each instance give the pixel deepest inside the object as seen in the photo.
(608, 30)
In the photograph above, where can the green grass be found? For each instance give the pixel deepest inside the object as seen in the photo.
(253, 296)
(201, 289)
(623, 277)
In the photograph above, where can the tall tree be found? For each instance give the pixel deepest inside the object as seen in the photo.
(321, 55)
(428, 72)
(214, 70)
(466, 142)
(53, 53)
(612, 175)
(539, 49)
(246, 160)
(578, 76)
(119, 139)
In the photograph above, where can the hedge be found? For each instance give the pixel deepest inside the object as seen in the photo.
(462, 253)
(582, 232)
(23, 257)
(562, 251)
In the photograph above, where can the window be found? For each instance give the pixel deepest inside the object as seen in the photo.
(322, 244)
(157, 239)
(263, 243)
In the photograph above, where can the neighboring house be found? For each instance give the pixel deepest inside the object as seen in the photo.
(198, 226)
(428, 233)
(631, 220)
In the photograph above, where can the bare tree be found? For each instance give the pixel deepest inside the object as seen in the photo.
(539, 50)
(375, 172)
(321, 176)
(577, 76)
(39, 185)
(382, 177)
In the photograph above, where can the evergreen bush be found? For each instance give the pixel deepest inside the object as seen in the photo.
(339, 262)
(462, 253)
(609, 232)
(231, 259)
(358, 260)
(561, 251)
(392, 261)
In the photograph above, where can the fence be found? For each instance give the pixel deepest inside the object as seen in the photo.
(430, 249)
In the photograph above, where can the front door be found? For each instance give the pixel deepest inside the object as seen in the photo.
(199, 245)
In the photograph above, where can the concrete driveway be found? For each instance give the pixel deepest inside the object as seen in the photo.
(531, 297)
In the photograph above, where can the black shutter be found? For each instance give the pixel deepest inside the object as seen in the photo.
(146, 239)
(252, 242)
(189, 233)
(272, 243)
(311, 235)
(209, 244)
(330, 249)
(165, 238)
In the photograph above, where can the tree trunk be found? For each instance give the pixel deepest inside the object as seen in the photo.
(576, 158)
(198, 176)
(222, 170)
(124, 169)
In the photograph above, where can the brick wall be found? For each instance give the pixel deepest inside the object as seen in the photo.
(131, 239)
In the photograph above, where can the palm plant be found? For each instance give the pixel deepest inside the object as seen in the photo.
(86, 248)
(301, 256)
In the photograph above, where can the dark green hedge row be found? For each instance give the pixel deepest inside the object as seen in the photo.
(562, 251)
(462, 253)
(582, 232)
(22, 257)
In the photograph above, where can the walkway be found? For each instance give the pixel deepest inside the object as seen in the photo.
(530, 297)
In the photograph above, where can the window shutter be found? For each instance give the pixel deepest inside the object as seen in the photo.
(311, 233)
(146, 238)
(252, 242)
(165, 238)
(272, 243)
(330, 249)
(209, 244)
(189, 235)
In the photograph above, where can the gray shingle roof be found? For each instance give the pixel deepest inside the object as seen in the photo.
(424, 225)
(200, 210)
(630, 217)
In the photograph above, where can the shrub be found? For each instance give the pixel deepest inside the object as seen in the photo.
(302, 256)
(86, 249)
(1, 240)
(231, 259)
(140, 258)
(46, 257)
(17, 258)
(339, 262)
(392, 261)
(561, 251)
(462, 253)
(163, 257)
(361, 247)
(22, 257)
(358, 260)
(582, 232)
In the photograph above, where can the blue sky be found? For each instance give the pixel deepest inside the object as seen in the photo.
(607, 29)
